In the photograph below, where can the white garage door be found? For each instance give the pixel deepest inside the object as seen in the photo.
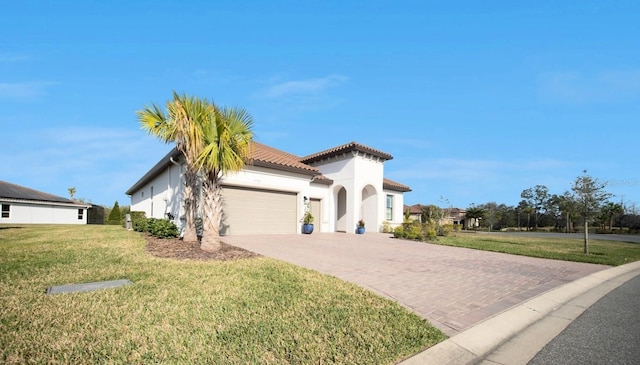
(254, 211)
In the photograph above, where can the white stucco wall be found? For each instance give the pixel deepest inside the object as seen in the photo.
(161, 195)
(43, 213)
(356, 172)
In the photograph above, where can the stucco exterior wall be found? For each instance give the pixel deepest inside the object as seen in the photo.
(161, 195)
(43, 213)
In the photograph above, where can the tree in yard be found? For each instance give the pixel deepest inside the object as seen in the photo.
(72, 192)
(181, 123)
(227, 138)
(474, 212)
(589, 196)
(115, 216)
(537, 198)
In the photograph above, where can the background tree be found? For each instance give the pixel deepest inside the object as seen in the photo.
(115, 215)
(610, 211)
(181, 123)
(525, 208)
(227, 138)
(491, 214)
(567, 206)
(474, 212)
(72, 192)
(536, 197)
(589, 196)
(430, 214)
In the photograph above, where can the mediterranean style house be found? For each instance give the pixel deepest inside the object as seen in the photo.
(339, 186)
(21, 205)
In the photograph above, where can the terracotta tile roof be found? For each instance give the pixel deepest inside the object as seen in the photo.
(392, 185)
(17, 192)
(262, 155)
(351, 146)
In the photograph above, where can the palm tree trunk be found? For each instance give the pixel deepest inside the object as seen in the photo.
(190, 206)
(212, 204)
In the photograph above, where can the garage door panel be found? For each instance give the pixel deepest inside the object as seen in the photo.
(254, 211)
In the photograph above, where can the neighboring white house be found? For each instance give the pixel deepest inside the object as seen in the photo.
(340, 186)
(20, 205)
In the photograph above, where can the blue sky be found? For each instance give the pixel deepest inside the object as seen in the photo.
(476, 100)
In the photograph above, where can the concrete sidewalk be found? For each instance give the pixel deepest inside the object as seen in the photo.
(515, 336)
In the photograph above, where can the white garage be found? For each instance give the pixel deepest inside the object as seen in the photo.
(257, 211)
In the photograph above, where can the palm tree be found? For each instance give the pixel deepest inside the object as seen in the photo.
(181, 123)
(474, 212)
(227, 138)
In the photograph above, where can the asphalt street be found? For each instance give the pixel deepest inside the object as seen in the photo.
(608, 332)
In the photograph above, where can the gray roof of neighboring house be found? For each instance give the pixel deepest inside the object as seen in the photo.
(17, 192)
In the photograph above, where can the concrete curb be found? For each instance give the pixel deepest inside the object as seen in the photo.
(494, 340)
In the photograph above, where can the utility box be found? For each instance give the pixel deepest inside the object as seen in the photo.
(127, 222)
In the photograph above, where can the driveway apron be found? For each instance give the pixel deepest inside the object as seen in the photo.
(453, 288)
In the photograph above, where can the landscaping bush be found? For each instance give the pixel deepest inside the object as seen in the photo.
(430, 233)
(139, 221)
(162, 228)
(386, 227)
(445, 229)
(414, 232)
(398, 232)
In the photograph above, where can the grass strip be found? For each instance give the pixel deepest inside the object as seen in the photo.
(611, 253)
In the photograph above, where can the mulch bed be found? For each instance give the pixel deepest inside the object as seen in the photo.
(176, 248)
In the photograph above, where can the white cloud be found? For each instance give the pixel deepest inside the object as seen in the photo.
(611, 86)
(308, 86)
(23, 91)
(12, 57)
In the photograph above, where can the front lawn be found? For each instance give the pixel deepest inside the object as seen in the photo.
(249, 311)
(569, 249)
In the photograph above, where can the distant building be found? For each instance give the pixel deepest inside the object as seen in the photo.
(21, 205)
(453, 215)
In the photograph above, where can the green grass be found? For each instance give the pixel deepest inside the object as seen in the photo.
(569, 249)
(252, 311)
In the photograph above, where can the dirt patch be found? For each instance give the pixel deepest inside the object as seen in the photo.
(176, 248)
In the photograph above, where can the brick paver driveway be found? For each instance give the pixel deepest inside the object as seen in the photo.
(451, 287)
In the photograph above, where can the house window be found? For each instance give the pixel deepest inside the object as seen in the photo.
(6, 210)
(389, 207)
(80, 214)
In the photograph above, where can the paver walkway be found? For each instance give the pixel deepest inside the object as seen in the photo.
(454, 288)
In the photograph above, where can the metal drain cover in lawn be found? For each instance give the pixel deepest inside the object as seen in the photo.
(84, 287)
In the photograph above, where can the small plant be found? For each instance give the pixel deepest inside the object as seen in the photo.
(361, 223)
(308, 218)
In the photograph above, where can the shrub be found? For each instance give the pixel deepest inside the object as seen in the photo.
(414, 232)
(162, 228)
(430, 234)
(386, 227)
(445, 229)
(139, 221)
(398, 232)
